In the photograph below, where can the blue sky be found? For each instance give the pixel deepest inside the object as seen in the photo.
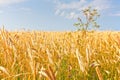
(56, 15)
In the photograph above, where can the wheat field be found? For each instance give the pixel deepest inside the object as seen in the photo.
(38, 55)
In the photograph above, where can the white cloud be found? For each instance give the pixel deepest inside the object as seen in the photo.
(25, 9)
(118, 14)
(100, 4)
(72, 15)
(57, 12)
(62, 13)
(1, 11)
(7, 2)
(74, 7)
(115, 14)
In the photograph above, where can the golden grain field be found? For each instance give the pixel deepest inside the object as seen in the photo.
(38, 55)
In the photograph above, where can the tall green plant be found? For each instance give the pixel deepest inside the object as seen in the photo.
(91, 16)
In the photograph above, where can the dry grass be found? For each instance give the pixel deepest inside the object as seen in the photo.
(59, 55)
